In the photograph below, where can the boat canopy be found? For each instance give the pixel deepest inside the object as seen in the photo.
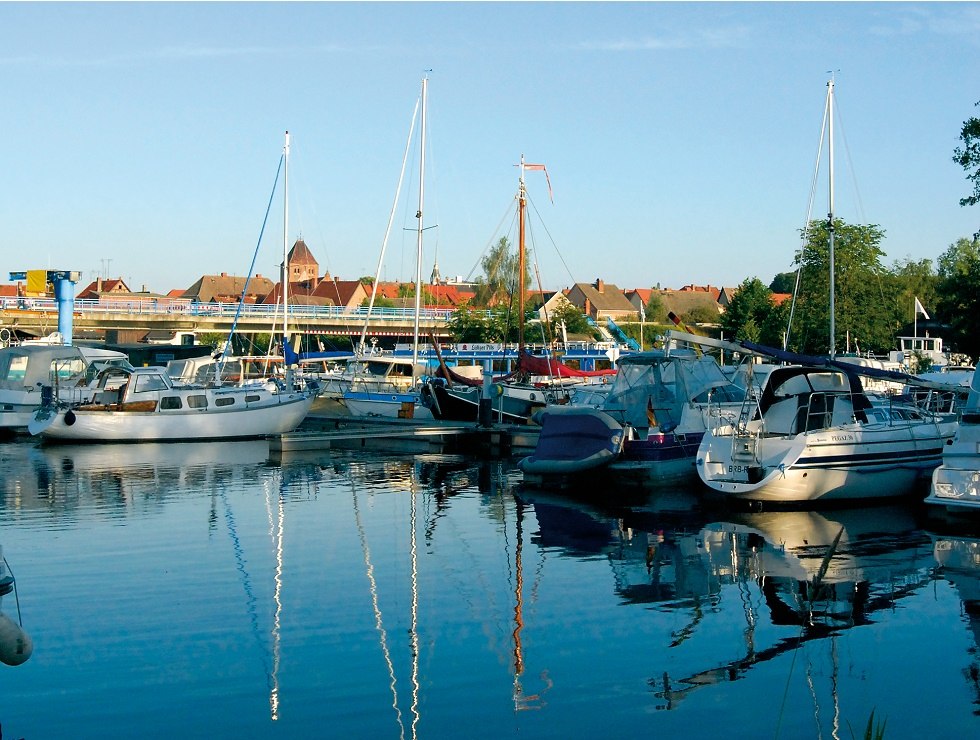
(800, 380)
(660, 385)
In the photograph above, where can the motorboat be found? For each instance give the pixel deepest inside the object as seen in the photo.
(649, 426)
(956, 483)
(66, 370)
(133, 405)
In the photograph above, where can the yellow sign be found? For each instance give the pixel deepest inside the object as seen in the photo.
(37, 282)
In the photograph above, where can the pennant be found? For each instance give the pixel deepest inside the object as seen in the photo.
(919, 309)
(545, 170)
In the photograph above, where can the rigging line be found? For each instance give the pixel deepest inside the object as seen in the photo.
(508, 211)
(378, 620)
(16, 595)
(850, 162)
(544, 226)
(391, 218)
(805, 235)
(251, 267)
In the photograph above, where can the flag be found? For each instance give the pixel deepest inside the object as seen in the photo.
(545, 169)
(643, 312)
(919, 309)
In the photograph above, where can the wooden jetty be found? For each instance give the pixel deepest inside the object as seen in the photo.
(325, 431)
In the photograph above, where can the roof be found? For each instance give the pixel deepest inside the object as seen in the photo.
(683, 301)
(609, 298)
(226, 288)
(300, 254)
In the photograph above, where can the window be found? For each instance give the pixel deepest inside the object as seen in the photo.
(224, 401)
(197, 402)
(147, 383)
(170, 403)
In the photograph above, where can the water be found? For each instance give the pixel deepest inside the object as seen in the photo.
(207, 591)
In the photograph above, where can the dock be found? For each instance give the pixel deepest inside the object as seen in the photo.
(327, 431)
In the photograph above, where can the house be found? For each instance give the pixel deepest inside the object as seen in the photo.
(347, 293)
(683, 302)
(104, 288)
(601, 301)
(225, 288)
(725, 297)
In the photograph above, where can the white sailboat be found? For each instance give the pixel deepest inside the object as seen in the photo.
(956, 483)
(814, 435)
(368, 393)
(134, 405)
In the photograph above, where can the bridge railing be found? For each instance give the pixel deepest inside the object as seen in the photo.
(228, 310)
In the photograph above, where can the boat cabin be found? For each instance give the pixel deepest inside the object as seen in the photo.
(799, 399)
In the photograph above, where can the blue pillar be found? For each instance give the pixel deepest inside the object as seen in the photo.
(64, 295)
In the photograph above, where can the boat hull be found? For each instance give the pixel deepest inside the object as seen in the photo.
(385, 405)
(848, 463)
(276, 416)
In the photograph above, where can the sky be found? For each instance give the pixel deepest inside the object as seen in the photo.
(142, 140)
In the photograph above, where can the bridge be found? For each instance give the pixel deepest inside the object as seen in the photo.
(39, 317)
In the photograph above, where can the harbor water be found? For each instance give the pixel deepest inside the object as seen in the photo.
(211, 590)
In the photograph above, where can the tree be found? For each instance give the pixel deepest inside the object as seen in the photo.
(784, 282)
(864, 315)
(499, 285)
(749, 313)
(968, 157)
(572, 318)
(701, 315)
(656, 309)
(959, 291)
(908, 281)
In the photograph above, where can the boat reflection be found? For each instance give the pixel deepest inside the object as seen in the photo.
(958, 560)
(117, 480)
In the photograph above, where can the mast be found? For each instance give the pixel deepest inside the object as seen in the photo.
(521, 260)
(285, 242)
(418, 256)
(830, 215)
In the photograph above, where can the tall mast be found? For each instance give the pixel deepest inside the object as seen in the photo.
(521, 270)
(418, 256)
(285, 241)
(830, 215)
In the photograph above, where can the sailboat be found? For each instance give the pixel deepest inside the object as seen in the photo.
(140, 404)
(363, 396)
(814, 435)
(536, 383)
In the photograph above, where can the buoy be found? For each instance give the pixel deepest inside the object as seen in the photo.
(16, 645)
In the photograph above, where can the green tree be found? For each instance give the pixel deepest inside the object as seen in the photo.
(968, 157)
(701, 315)
(749, 314)
(784, 282)
(656, 309)
(573, 319)
(907, 281)
(864, 315)
(959, 291)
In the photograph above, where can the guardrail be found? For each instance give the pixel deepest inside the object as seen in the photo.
(226, 310)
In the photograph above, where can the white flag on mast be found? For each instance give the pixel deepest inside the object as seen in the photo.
(919, 309)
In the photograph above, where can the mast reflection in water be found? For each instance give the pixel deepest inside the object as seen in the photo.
(208, 590)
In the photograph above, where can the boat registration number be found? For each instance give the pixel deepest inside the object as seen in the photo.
(738, 468)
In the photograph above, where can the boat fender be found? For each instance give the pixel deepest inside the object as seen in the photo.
(16, 645)
(497, 390)
(69, 417)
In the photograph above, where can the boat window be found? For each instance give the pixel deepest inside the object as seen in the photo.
(16, 369)
(170, 403)
(64, 369)
(252, 397)
(224, 401)
(828, 381)
(147, 383)
(197, 402)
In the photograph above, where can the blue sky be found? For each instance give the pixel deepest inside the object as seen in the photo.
(141, 140)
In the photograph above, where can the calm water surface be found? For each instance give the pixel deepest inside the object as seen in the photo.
(207, 591)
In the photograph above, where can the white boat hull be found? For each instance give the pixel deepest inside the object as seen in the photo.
(386, 405)
(846, 463)
(276, 416)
